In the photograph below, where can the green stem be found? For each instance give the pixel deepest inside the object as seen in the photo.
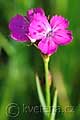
(46, 61)
(40, 94)
(54, 106)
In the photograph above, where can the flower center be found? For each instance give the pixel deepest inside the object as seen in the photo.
(49, 34)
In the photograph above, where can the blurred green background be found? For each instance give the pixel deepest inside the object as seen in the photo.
(19, 63)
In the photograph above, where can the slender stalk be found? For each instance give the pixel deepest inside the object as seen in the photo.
(54, 106)
(40, 94)
(47, 87)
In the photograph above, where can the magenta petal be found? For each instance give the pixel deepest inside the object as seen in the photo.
(47, 46)
(63, 37)
(39, 27)
(58, 22)
(33, 11)
(18, 37)
(19, 28)
(36, 10)
(39, 10)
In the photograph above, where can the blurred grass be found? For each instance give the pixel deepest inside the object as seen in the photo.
(18, 62)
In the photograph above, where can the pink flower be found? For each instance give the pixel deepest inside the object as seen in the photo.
(19, 25)
(19, 28)
(35, 26)
(50, 35)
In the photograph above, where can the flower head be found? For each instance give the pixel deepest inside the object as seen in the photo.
(36, 27)
(19, 28)
(50, 35)
(19, 25)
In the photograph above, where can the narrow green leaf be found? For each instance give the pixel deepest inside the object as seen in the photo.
(54, 106)
(40, 94)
